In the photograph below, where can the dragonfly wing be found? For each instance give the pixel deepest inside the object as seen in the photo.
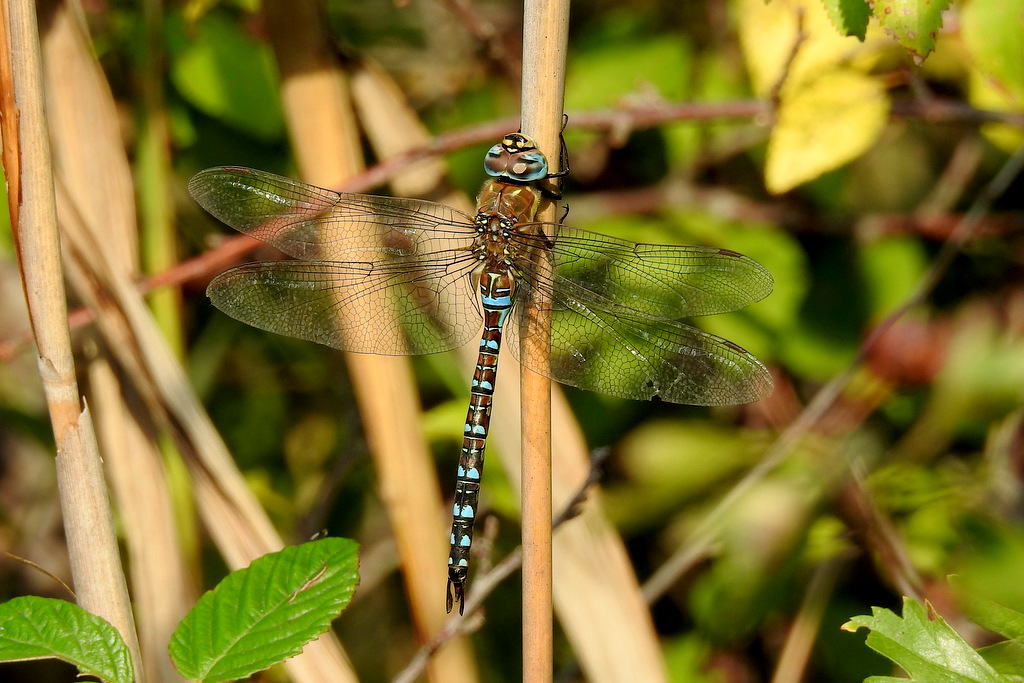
(663, 281)
(622, 353)
(315, 224)
(359, 307)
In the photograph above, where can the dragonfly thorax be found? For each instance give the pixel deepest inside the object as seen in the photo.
(493, 244)
(517, 203)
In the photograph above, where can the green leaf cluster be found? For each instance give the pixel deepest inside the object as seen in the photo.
(255, 618)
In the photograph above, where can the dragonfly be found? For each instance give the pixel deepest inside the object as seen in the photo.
(396, 276)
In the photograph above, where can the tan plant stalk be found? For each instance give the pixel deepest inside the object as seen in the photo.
(596, 592)
(545, 42)
(421, 522)
(95, 561)
(326, 143)
(99, 208)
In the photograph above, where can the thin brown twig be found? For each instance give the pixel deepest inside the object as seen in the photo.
(30, 563)
(794, 50)
(874, 530)
(633, 116)
(960, 170)
(800, 640)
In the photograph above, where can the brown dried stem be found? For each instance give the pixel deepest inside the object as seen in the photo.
(545, 43)
(317, 98)
(88, 521)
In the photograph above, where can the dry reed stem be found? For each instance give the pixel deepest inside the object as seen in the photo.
(792, 664)
(239, 526)
(86, 136)
(92, 544)
(135, 467)
(237, 523)
(162, 591)
(595, 589)
(545, 43)
(326, 142)
(596, 592)
(311, 87)
(393, 128)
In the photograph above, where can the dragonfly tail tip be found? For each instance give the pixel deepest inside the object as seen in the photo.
(455, 594)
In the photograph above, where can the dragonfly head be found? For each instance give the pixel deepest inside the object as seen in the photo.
(516, 158)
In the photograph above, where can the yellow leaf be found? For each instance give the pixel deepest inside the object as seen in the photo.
(769, 32)
(822, 124)
(985, 94)
(993, 35)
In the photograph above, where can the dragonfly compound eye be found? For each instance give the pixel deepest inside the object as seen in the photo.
(527, 167)
(496, 161)
(516, 158)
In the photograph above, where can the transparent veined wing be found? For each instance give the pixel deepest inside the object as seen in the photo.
(375, 274)
(314, 224)
(614, 306)
(663, 281)
(622, 354)
(356, 307)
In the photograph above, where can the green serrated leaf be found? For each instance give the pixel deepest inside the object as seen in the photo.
(850, 17)
(822, 125)
(267, 612)
(923, 644)
(38, 628)
(913, 23)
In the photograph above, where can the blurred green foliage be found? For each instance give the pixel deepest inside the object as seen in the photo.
(929, 432)
(226, 73)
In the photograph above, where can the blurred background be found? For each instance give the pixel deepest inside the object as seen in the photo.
(889, 458)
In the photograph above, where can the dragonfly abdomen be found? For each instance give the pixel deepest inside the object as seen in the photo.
(496, 292)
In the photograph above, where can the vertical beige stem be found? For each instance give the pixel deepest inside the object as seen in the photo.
(545, 37)
(95, 561)
(325, 138)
